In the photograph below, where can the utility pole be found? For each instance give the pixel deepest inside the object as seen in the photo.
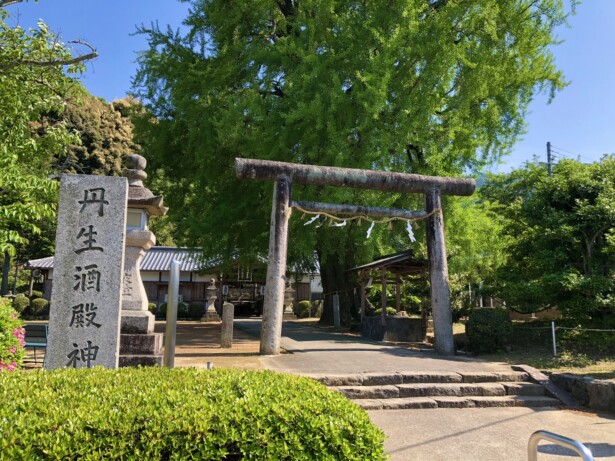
(549, 159)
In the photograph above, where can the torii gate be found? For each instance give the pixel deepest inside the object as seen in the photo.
(285, 174)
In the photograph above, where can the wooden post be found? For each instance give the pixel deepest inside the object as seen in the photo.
(383, 298)
(273, 305)
(361, 276)
(438, 274)
(398, 293)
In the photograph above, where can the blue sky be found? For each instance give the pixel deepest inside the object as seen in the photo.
(579, 123)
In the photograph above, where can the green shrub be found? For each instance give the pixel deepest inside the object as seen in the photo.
(488, 330)
(390, 311)
(36, 294)
(38, 306)
(304, 308)
(11, 341)
(161, 413)
(195, 311)
(182, 310)
(317, 308)
(21, 303)
(152, 308)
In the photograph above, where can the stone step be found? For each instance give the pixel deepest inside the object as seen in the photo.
(440, 389)
(457, 402)
(376, 379)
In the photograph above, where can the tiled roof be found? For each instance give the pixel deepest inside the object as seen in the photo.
(43, 263)
(160, 258)
(155, 259)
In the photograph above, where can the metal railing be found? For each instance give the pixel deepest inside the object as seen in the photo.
(574, 445)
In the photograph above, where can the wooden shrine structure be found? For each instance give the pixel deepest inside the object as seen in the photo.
(286, 174)
(387, 270)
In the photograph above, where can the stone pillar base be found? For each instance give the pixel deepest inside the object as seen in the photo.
(210, 316)
(139, 345)
(289, 316)
(137, 322)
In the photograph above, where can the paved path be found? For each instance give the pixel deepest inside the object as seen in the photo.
(490, 434)
(312, 350)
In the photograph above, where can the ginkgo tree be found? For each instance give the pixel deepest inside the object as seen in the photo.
(433, 87)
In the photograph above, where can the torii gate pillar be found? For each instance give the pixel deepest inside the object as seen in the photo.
(438, 274)
(273, 304)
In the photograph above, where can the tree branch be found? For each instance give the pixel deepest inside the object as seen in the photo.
(4, 3)
(54, 62)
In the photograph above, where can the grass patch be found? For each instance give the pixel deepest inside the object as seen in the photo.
(532, 345)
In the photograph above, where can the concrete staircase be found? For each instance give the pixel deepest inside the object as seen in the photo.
(402, 390)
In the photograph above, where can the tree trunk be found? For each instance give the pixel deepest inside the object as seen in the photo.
(6, 268)
(335, 279)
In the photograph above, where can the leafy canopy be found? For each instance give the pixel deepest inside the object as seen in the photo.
(433, 87)
(33, 82)
(560, 238)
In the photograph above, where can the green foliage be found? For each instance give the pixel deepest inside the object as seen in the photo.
(390, 311)
(304, 308)
(21, 303)
(560, 234)
(182, 311)
(28, 92)
(38, 306)
(105, 135)
(160, 413)
(409, 86)
(36, 294)
(476, 247)
(11, 340)
(152, 308)
(488, 330)
(195, 311)
(162, 311)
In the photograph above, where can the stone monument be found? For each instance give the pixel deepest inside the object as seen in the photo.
(210, 314)
(289, 302)
(84, 321)
(139, 344)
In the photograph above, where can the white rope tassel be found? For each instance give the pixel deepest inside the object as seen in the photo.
(410, 233)
(312, 220)
(371, 228)
(340, 224)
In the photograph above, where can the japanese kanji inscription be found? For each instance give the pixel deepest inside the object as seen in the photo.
(84, 322)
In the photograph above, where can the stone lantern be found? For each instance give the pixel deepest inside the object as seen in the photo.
(289, 298)
(211, 294)
(139, 344)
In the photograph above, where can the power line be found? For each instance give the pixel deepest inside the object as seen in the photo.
(578, 156)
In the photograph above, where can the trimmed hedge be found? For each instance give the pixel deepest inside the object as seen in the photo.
(304, 309)
(21, 303)
(195, 311)
(488, 330)
(161, 413)
(38, 306)
(36, 294)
